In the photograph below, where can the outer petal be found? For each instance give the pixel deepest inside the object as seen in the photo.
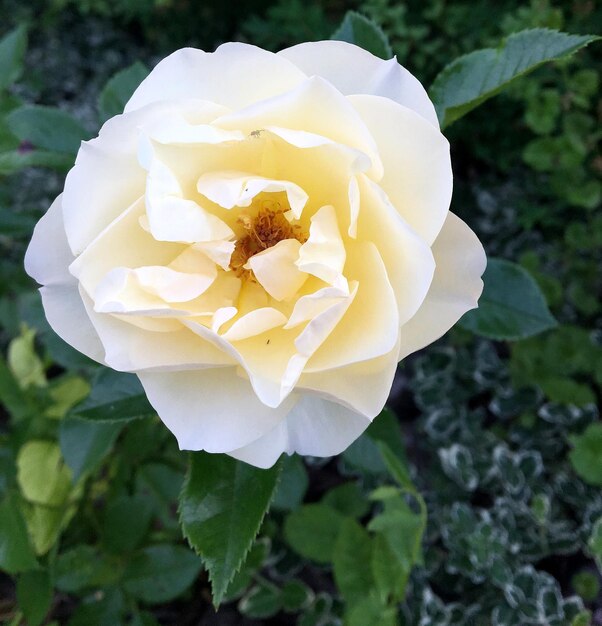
(130, 347)
(409, 261)
(353, 70)
(417, 165)
(213, 410)
(107, 176)
(455, 289)
(235, 75)
(316, 107)
(314, 427)
(47, 260)
(363, 387)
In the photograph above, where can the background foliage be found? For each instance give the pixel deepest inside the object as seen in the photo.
(474, 499)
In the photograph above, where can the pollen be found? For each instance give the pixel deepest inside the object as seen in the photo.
(267, 228)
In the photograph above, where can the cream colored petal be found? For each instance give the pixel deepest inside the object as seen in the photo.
(409, 261)
(358, 160)
(154, 284)
(47, 261)
(131, 348)
(313, 304)
(354, 206)
(370, 327)
(323, 254)
(220, 252)
(48, 256)
(107, 178)
(172, 217)
(362, 387)
(194, 260)
(120, 292)
(313, 427)
(275, 359)
(315, 106)
(231, 188)
(124, 243)
(235, 75)
(254, 323)
(455, 289)
(276, 269)
(212, 409)
(179, 131)
(353, 70)
(69, 319)
(417, 164)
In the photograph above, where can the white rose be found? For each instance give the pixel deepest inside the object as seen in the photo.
(261, 238)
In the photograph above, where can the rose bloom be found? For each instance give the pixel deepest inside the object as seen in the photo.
(261, 238)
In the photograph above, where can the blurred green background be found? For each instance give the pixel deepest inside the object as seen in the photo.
(502, 440)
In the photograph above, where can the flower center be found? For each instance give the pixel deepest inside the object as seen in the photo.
(262, 231)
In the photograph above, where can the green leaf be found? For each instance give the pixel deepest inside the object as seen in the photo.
(12, 50)
(222, 505)
(402, 528)
(390, 576)
(84, 567)
(371, 610)
(351, 556)
(293, 484)
(296, 596)
(262, 601)
(512, 306)
(24, 363)
(16, 160)
(85, 444)
(47, 128)
(126, 522)
(119, 89)
(161, 573)
(586, 455)
(473, 78)
(312, 531)
(34, 595)
(115, 396)
(42, 475)
(14, 399)
(45, 523)
(16, 553)
(103, 609)
(347, 499)
(365, 33)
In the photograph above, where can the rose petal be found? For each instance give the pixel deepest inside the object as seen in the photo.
(370, 327)
(362, 387)
(455, 289)
(213, 409)
(235, 75)
(276, 269)
(417, 165)
(131, 348)
(47, 260)
(231, 188)
(323, 254)
(353, 70)
(409, 261)
(172, 217)
(314, 427)
(314, 106)
(124, 243)
(255, 323)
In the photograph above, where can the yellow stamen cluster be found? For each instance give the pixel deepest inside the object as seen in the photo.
(261, 232)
